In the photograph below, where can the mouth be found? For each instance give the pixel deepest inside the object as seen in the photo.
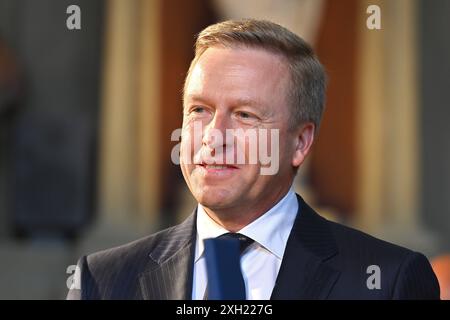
(217, 169)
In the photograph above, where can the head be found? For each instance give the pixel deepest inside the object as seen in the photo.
(256, 76)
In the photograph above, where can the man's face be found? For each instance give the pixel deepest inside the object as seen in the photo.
(236, 89)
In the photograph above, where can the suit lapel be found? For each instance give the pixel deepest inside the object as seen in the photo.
(171, 278)
(304, 273)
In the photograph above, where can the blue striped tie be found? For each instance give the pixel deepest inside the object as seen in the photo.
(223, 254)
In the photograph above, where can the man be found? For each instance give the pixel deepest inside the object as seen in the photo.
(254, 76)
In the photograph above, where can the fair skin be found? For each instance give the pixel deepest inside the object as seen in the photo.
(231, 88)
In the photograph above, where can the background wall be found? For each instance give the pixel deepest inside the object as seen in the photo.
(434, 114)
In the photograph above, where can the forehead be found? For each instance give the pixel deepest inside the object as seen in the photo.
(240, 73)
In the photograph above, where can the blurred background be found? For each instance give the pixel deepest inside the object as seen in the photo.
(86, 117)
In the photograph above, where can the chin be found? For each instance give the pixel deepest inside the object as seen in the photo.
(215, 199)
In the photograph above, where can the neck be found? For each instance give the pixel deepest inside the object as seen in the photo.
(235, 218)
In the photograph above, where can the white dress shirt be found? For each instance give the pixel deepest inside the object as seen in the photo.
(261, 261)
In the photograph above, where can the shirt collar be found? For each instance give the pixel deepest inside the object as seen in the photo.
(271, 230)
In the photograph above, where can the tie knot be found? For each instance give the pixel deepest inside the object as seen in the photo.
(244, 241)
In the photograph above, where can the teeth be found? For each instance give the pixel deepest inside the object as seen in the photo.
(215, 167)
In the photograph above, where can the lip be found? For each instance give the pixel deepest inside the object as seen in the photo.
(216, 170)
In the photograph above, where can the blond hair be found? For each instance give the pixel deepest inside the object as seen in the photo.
(307, 76)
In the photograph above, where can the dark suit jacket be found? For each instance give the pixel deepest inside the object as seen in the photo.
(323, 260)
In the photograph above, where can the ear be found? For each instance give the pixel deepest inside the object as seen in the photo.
(304, 137)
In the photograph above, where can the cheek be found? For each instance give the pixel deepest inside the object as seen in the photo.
(185, 153)
(246, 148)
(190, 142)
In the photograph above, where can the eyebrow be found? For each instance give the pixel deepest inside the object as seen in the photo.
(236, 102)
(196, 97)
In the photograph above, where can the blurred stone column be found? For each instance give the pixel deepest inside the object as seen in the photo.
(149, 106)
(434, 117)
(370, 124)
(117, 189)
(128, 189)
(389, 135)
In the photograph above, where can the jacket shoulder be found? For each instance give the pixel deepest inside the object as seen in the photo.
(349, 239)
(113, 257)
(403, 273)
(113, 273)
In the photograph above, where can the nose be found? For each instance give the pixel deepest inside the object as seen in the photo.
(214, 134)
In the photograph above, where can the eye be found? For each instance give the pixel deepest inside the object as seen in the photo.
(198, 109)
(244, 115)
